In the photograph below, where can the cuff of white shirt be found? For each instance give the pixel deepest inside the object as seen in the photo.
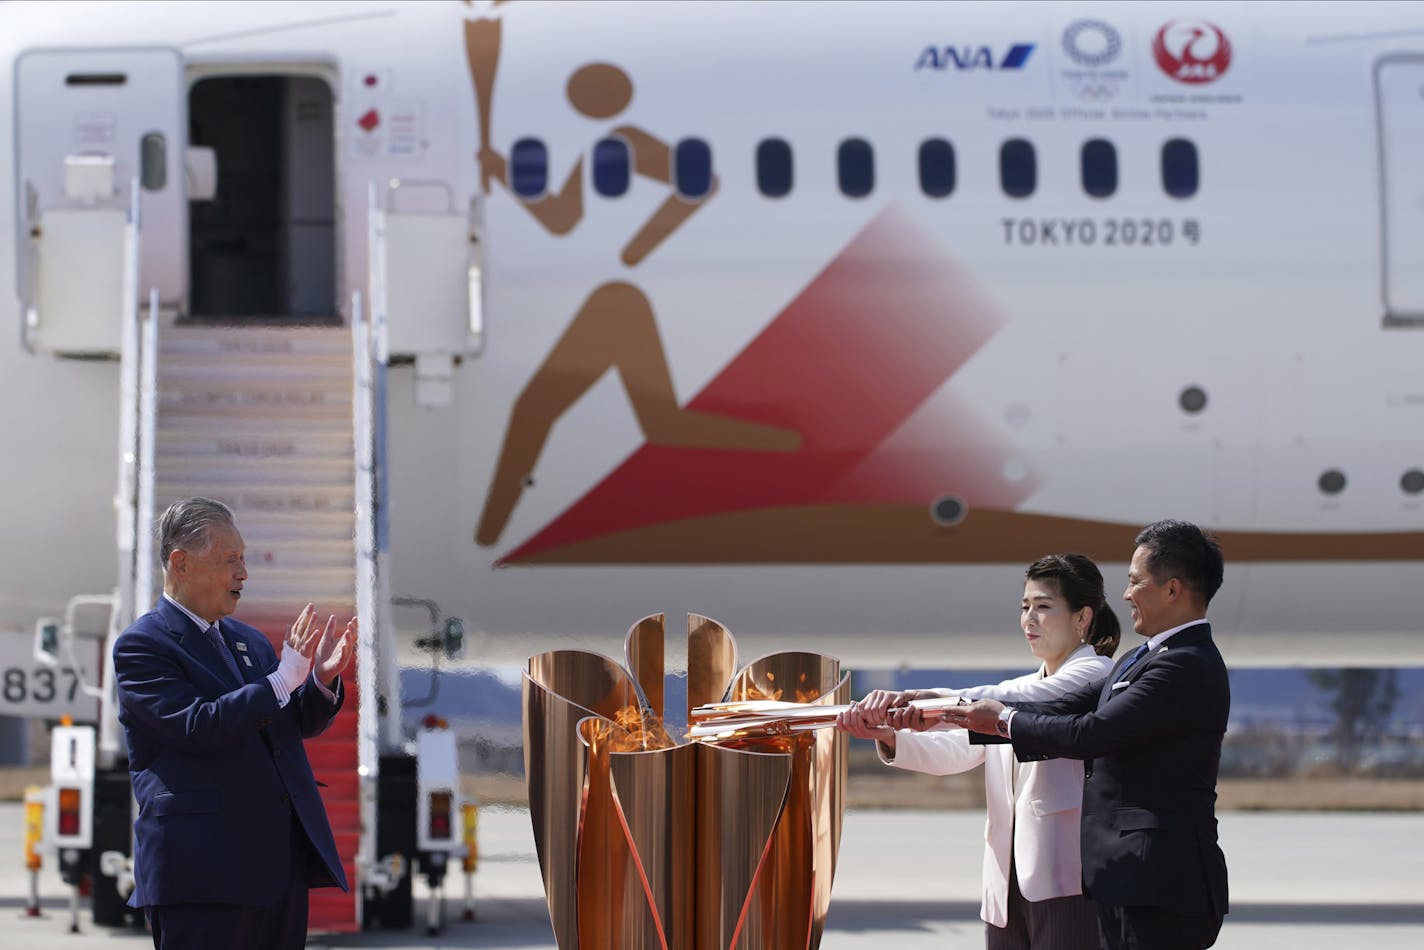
(1009, 723)
(325, 690)
(284, 695)
(280, 688)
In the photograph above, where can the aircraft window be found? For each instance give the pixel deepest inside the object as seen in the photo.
(773, 167)
(1018, 168)
(692, 168)
(1192, 399)
(529, 168)
(1332, 481)
(948, 510)
(855, 163)
(611, 167)
(1412, 482)
(1099, 160)
(936, 168)
(1181, 173)
(153, 162)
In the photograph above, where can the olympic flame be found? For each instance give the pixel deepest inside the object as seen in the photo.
(725, 842)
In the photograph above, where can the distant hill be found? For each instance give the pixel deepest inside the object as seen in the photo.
(1281, 696)
(466, 695)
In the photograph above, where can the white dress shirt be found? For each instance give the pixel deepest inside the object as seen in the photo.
(1155, 641)
(284, 695)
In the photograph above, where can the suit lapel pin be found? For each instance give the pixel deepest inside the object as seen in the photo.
(243, 647)
(246, 660)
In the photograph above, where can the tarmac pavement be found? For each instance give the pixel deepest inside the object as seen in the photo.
(906, 879)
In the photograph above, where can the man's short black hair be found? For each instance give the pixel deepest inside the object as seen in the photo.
(1182, 550)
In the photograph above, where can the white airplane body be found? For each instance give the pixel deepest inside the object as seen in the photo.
(883, 405)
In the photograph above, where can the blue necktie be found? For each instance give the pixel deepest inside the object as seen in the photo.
(226, 653)
(1136, 655)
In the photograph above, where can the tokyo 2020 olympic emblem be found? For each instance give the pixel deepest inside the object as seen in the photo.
(1092, 43)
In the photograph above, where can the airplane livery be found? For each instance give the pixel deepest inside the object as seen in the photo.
(823, 320)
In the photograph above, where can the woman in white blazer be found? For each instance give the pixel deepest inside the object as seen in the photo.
(1033, 892)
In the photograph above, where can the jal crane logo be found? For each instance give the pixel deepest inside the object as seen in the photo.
(1192, 51)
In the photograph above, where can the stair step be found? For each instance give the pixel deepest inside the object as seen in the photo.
(275, 623)
(260, 397)
(335, 913)
(236, 364)
(243, 498)
(345, 816)
(329, 525)
(343, 728)
(304, 433)
(274, 626)
(237, 342)
(255, 438)
(229, 375)
(214, 420)
(249, 470)
(347, 843)
(298, 554)
(327, 755)
(275, 587)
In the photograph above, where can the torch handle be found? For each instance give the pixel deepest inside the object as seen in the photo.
(482, 42)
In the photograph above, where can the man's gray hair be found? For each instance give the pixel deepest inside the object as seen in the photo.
(186, 525)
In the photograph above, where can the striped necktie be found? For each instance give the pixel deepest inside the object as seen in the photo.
(221, 644)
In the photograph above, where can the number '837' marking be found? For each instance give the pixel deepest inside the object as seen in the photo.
(42, 685)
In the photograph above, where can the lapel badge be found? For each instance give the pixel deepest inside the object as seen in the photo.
(243, 647)
(246, 660)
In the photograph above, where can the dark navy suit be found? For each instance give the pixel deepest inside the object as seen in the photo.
(1151, 749)
(225, 792)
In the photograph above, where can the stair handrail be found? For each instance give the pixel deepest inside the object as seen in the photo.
(126, 493)
(145, 558)
(387, 681)
(127, 528)
(367, 726)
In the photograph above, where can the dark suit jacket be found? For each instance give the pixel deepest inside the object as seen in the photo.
(1151, 752)
(218, 769)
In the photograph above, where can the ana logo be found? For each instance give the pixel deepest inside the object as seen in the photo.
(1192, 51)
(972, 57)
(1092, 43)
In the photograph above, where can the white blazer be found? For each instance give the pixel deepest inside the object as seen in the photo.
(1040, 822)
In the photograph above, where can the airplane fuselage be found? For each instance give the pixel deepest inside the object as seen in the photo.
(820, 320)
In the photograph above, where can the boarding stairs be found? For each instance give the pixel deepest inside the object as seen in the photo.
(260, 418)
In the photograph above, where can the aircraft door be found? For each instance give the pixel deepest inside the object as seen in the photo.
(1399, 92)
(88, 124)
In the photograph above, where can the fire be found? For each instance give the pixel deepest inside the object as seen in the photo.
(803, 692)
(634, 728)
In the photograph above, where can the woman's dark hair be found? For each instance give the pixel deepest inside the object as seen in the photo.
(1081, 584)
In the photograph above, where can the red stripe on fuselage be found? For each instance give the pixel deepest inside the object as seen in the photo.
(846, 364)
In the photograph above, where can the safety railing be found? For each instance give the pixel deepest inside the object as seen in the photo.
(368, 754)
(133, 518)
(130, 398)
